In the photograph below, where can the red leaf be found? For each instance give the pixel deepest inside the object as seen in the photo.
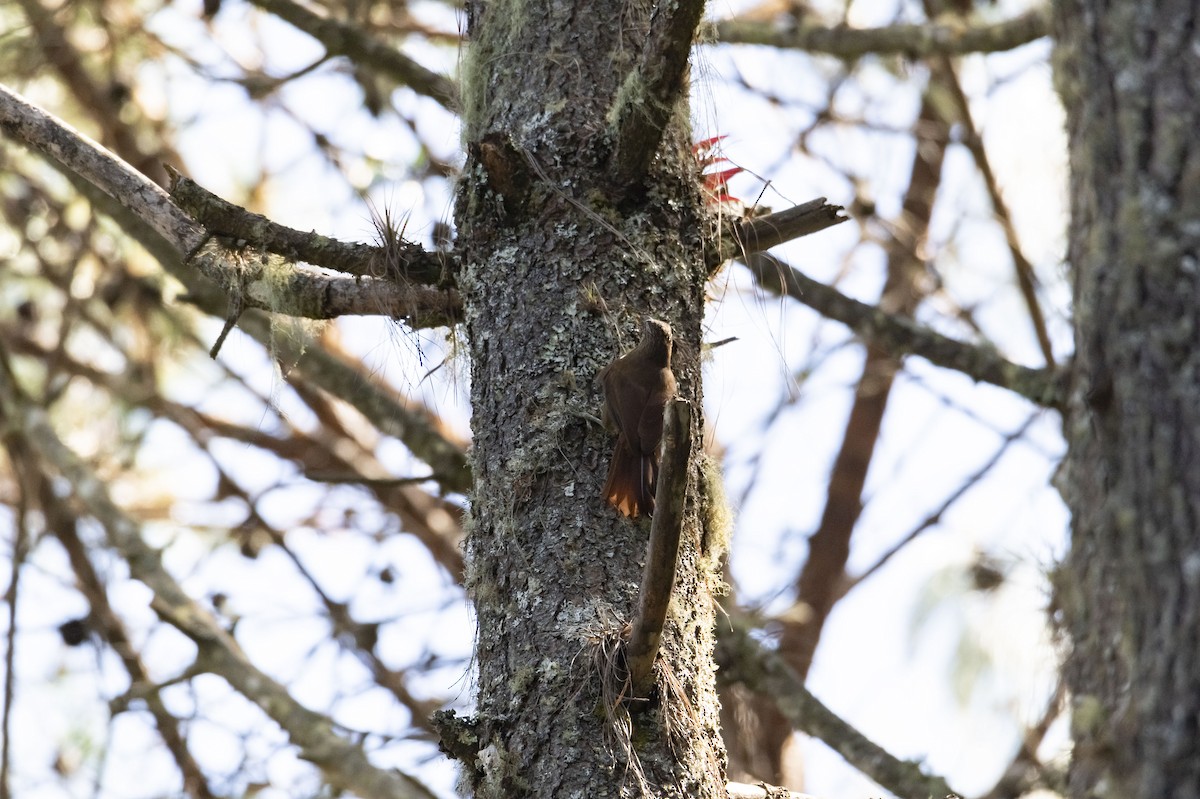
(708, 144)
(715, 180)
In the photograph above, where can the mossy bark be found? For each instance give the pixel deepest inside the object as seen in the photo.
(557, 275)
(1129, 591)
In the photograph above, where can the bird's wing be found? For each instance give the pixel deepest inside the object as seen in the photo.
(624, 400)
(650, 423)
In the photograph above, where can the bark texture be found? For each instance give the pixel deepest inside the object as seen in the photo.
(1129, 592)
(560, 266)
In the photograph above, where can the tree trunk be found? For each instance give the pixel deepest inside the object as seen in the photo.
(560, 266)
(1129, 592)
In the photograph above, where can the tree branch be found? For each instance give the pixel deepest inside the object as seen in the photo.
(1026, 277)
(848, 584)
(398, 258)
(742, 659)
(899, 335)
(343, 763)
(94, 95)
(15, 449)
(764, 232)
(287, 289)
(649, 94)
(662, 555)
(343, 39)
(740, 790)
(1026, 771)
(377, 403)
(946, 37)
(103, 617)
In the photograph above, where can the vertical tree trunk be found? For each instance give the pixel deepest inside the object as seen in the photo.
(1129, 592)
(560, 266)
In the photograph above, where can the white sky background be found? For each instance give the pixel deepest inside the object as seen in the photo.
(893, 651)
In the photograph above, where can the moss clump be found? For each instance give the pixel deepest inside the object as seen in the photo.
(717, 515)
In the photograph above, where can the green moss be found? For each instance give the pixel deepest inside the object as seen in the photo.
(631, 98)
(491, 49)
(522, 680)
(293, 322)
(718, 517)
(1088, 717)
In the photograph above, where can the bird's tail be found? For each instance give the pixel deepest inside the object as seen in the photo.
(631, 481)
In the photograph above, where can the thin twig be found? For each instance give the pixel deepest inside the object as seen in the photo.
(342, 38)
(237, 305)
(1026, 279)
(936, 516)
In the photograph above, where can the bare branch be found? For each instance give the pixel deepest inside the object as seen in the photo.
(649, 93)
(289, 290)
(343, 763)
(740, 790)
(344, 39)
(764, 232)
(223, 218)
(20, 548)
(65, 525)
(899, 335)
(1026, 278)
(658, 578)
(744, 660)
(935, 516)
(946, 37)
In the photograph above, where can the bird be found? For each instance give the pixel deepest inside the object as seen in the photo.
(637, 387)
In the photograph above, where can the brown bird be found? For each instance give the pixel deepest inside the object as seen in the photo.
(637, 387)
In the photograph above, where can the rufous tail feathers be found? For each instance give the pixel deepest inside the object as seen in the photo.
(631, 481)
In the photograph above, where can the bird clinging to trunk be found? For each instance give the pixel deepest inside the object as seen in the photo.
(637, 387)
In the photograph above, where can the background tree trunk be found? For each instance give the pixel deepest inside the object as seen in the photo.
(1129, 591)
(556, 279)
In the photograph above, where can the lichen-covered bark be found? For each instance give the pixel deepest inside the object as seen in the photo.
(556, 277)
(1129, 592)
